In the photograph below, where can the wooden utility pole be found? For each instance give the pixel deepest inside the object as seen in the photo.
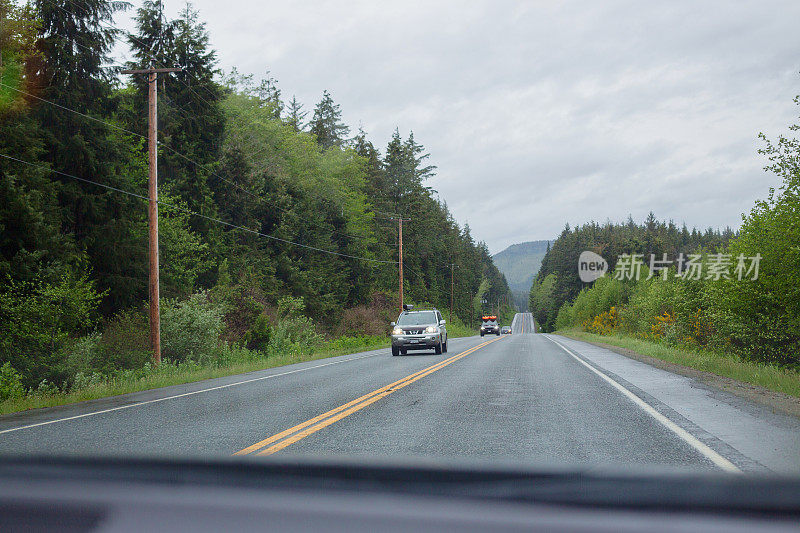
(450, 318)
(152, 208)
(400, 255)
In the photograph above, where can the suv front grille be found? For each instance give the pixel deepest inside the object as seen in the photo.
(413, 331)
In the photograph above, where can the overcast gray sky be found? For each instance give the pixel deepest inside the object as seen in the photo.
(543, 113)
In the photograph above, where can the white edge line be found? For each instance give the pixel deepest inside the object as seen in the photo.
(687, 437)
(139, 404)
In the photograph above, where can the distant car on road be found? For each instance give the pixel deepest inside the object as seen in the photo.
(489, 325)
(419, 330)
(506, 330)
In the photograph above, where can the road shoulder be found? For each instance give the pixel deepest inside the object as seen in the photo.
(778, 401)
(140, 397)
(752, 436)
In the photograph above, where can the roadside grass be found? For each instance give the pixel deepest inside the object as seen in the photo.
(772, 377)
(456, 328)
(169, 374)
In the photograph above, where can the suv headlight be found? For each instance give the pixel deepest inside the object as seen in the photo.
(431, 329)
(397, 331)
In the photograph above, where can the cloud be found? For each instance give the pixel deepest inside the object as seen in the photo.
(569, 111)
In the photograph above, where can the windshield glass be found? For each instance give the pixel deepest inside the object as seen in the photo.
(206, 259)
(416, 319)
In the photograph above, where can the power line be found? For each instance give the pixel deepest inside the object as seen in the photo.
(155, 62)
(181, 111)
(184, 157)
(131, 37)
(178, 78)
(184, 113)
(186, 210)
(74, 111)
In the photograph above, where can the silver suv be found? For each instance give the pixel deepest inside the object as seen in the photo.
(419, 330)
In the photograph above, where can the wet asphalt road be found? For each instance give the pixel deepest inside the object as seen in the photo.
(522, 397)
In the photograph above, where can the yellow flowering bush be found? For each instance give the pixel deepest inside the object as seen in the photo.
(605, 323)
(662, 324)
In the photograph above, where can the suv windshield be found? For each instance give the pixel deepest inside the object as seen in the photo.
(602, 186)
(416, 319)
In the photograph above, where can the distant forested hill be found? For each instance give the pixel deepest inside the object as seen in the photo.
(520, 263)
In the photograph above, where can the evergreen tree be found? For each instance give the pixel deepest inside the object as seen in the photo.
(75, 41)
(327, 123)
(395, 164)
(417, 161)
(611, 241)
(295, 116)
(154, 42)
(74, 47)
(406, 169)
(153, 45)
(18, 36)
(376, 182)
(29, 214)
(269, 93)
(193, 122)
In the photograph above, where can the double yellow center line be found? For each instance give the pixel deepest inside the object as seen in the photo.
(288, 437)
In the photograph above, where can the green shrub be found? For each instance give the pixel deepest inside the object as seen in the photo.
(232, 353)
(289, 307)
(83, 381)
(190, 329)
(45, 388)
(455, 328)
(355, 343)
(542, 302)
(604, 294)
(257, 337)
(294, 333)
(38, 318)
(83, 355)
(566, 316)
(10, 383)
(760, 319)
(649, 299)
(125, 342)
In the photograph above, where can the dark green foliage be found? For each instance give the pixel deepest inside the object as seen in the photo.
(125, 342)
(257, 337)
(761, 319)
(542, 303)
(123, 345)
(37, 318)
(327, 125)
(10, 383)
(191, 122)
